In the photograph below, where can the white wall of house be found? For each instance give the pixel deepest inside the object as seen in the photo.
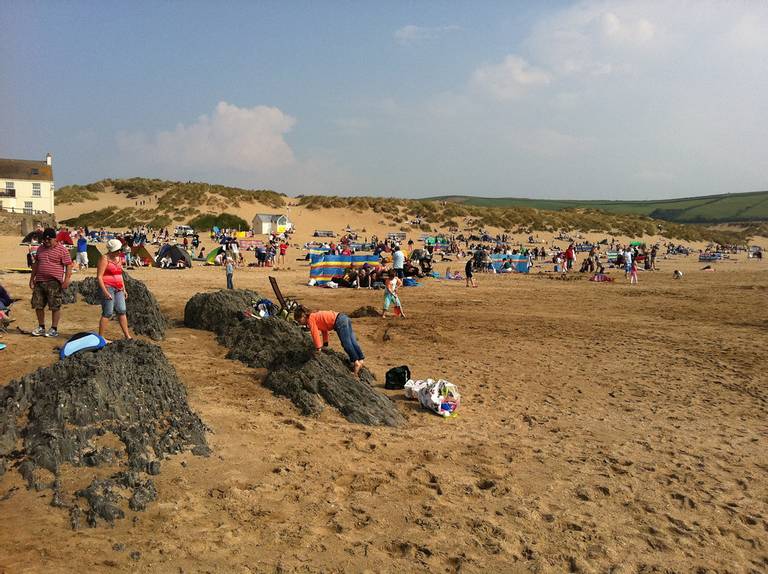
(30, 195)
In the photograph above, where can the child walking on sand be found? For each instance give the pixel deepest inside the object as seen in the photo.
(230, 269)
(633, 272)
(391, 286)
(468, 272)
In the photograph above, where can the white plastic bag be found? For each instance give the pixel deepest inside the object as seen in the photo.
(441, 397)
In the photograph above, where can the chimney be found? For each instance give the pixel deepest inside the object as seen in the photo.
(48, 159)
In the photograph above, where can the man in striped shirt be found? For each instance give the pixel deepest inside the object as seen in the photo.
(51, 275)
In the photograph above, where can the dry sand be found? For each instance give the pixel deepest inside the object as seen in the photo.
(604, 427)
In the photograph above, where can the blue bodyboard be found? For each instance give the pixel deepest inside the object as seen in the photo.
(82, 342)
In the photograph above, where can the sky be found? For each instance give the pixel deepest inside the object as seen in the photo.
(610, 99)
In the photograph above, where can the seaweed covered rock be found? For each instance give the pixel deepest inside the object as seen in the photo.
(267, 343)
(144, 315)
(309, 379)
(218, 310)
(327, 375)
(122, 407)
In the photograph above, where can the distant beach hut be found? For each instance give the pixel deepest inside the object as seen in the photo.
(265, 223)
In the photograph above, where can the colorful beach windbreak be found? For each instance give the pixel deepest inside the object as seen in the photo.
(324, 267)
(519, 262)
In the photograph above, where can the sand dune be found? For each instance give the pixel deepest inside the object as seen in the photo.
(604, 428)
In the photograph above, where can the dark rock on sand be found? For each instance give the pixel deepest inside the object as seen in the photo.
(267, 343)
(144, 315)
(366, 311)
(327, 375)
(219, 310)
(126, 393)
(310, 380)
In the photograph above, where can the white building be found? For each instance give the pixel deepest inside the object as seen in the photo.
(26, 186)
(266, 223)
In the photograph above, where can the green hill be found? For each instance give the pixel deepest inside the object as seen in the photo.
(725, 208)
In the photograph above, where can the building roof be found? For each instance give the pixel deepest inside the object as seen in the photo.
(268, 217)
(25, 169)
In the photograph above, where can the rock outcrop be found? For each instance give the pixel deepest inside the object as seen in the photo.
(122, 407)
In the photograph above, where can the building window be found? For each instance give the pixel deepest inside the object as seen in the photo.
(10, 186)
(35, 190)
(28, 207)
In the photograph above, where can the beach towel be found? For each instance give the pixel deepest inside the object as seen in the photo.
(600, 278)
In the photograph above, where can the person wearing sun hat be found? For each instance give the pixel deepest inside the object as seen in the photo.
(109, 273)
(51, 274)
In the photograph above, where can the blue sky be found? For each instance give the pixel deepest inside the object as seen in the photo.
(596, 99)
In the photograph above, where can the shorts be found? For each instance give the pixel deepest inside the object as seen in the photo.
(399, 273)
(390, 299)
(82, 258)
(468, 273)
(115, 305)
(47, 293)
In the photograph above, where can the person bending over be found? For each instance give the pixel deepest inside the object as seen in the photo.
(320, 323)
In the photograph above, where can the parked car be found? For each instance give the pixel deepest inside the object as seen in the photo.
(184, 231)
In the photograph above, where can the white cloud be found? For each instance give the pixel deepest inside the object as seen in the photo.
(411, 34)
(509, 79)
(242, 139)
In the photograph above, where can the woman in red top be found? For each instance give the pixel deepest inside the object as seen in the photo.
(109, 273)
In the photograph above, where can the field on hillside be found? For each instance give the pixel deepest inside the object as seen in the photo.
(603, 428)
(751, 206)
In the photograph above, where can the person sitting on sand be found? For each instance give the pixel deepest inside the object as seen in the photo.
(320, 323)
(363, 279)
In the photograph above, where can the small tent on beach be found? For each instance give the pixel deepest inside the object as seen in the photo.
(140, 252)
(176, 254)
(210, 259)
(35, 236)
(93, 254)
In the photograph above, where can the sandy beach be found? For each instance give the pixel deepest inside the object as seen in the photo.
(603, 428)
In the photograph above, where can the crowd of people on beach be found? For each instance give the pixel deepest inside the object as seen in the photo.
(52, 266)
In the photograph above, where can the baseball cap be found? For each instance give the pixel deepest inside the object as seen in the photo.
(49, 233)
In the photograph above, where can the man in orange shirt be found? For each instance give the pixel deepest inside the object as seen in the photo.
(320, 323)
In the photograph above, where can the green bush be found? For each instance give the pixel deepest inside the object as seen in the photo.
(207, 221)
(73, 194)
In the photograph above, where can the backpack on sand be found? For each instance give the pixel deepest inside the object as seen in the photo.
(396, 377)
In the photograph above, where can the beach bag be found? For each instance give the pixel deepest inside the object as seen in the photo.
(441, 397)
(82, 342)
(410, 282)
(396, 377)
(265, 308)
